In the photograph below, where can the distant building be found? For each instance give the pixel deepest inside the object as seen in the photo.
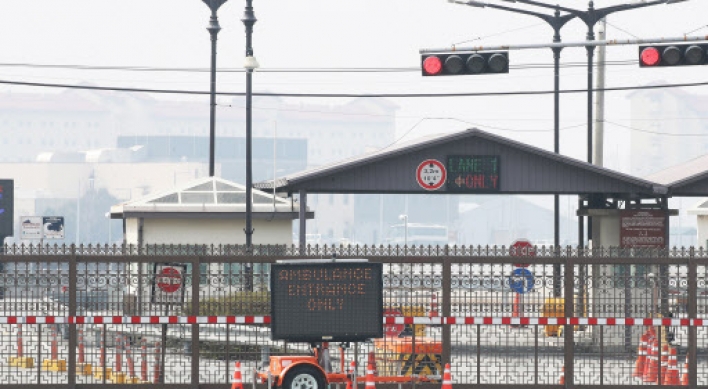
(658, 115)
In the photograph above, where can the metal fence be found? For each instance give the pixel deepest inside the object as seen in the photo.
(93, 315)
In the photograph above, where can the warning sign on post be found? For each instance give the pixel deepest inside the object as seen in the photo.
(168, 283)
(333, 301)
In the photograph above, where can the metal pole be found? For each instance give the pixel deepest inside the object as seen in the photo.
(213, 29)
(249, 19)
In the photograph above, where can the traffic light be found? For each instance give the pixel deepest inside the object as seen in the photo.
(454, 64)
(673, 55)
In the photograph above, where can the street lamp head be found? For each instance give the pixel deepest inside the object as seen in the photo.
(403, 217)
(250, 63)
(674, 1)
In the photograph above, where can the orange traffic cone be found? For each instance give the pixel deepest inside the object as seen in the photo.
(651, 372)
(433, 305)
(447, 378)
(639, 365)
(237, 383)
(684, 376)
(370, 377)
(352, 369)
(664, 364)
(672, 373)
(562, 377)
(372, 362)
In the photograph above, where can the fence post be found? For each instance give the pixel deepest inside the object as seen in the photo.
(692, 296)
(568, 330)
(195, 327)
(446, 309)
(73, 281)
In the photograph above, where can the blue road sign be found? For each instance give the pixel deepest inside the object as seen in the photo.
(521, 280)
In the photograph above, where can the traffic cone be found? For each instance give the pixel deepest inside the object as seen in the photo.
(372, 362)
(238, 381)
(352, 369)
(562, 376)
(672, 373)
(684, 376)
(664, 363)
(369, 377)
(651, 372)
(143, 362)
(156, 363)
(639, 365)
(447, 378)
(433, 305)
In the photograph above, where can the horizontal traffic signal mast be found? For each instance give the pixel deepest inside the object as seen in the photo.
(454, 64)
(673, 55)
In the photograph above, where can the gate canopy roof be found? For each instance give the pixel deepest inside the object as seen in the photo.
(475, 162)
(686, 179)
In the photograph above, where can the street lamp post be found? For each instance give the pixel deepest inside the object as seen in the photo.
(250, 63)
(213, 29)
(556, 21)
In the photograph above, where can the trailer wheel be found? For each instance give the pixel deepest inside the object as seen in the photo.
(304, 377)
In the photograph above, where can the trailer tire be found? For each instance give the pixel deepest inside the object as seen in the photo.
(304, 377)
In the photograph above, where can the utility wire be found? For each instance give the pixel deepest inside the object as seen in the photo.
(288, 70)
(701, 134)
(353, 95)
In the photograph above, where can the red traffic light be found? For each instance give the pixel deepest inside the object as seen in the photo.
(673, 55)
(432, 66)
(453, 64)
(650, 56)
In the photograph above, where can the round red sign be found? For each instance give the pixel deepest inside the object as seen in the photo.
(431, 174)
(522, 248)
(169, 280)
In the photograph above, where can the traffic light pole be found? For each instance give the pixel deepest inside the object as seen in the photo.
(590, 18)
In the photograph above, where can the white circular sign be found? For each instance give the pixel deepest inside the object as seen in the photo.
(431, 174)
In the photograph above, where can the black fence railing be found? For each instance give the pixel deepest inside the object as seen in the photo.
(89, 316)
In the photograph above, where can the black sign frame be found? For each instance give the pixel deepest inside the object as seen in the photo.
(304, 308)
(489, 181)
(7, 208)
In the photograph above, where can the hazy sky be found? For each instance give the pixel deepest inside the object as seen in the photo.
(318, 34)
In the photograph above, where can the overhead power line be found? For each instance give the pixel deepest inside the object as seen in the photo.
(351, 95)
(287, 70)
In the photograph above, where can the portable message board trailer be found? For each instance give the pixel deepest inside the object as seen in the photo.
(323, 301)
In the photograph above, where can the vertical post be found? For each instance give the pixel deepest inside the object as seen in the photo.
(195, 327)
(692, 295)
(568, 330)
(249, 19)
(213, 29)
(73, 281)
(303, 219)
(446, 308)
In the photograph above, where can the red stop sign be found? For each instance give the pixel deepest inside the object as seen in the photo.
(169, 280)
(393, 330)
(522, 248)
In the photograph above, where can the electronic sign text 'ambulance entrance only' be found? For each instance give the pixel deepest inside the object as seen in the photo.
(326, 301)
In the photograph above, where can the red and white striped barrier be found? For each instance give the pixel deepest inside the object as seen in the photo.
(456, 320)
